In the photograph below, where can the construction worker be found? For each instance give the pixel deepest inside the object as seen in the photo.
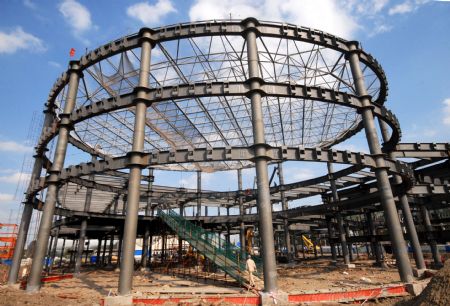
(250, 266)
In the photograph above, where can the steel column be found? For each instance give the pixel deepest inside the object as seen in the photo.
(407, 215)
(134, 182)
(430, 237)
(34, 281)
(199, 190)
(62, 253)
(330, 238)
(53, 252)
(264, 203)
(28, 207)
(386, 196)
(144, 258)
(241, 213)
(339, 219)
(284, 204)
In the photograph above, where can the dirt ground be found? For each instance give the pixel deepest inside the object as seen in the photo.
(320, 275)
(310, 276)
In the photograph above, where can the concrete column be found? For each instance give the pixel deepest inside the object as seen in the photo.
(28, 207)
(330, 238)
(34, 281)
(241, 213)
(264, 204)
(430, 237)
(339, 219)
(199, 190)
(407, 215)
(284, 204)
(134, 182)
(384, 187)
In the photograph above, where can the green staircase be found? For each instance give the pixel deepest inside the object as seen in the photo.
(227, 257)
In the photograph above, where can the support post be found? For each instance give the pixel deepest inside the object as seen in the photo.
(34, 281)
(62, 253)
(284, 204)
(384, 187)
(241, 214)
(339, 219)
(330, 238)
(430, 237)
(264, 204)
(144, 260)
(407, 215)
(134, 182)
(199, 194)
(28, 206)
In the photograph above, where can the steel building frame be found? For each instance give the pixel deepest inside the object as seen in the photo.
(226, 95)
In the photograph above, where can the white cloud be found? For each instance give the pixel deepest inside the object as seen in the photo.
(326, 15)
(30, 4)
(77, 16)
(150, 14)
(446, 119)
(18, 39)
(401, 8)
(54, 64)
(6, 198)
(15, 178)
(12, 146)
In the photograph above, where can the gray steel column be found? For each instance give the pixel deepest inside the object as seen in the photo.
(53, 252)
(430, 237)
(284, 204)
(339, 219)
(62, 253)
(330, 238)
(408, 218)
(349, 244)
(264, 204)
(376, 247)
(34, 281)
(99, 250)
(28, 207)
(199, 190)
(241, 213)
(83, 227)
(111, 249)
(144, 258)
(386, 196)
(134, 182)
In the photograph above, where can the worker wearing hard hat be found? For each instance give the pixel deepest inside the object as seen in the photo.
(250, 266)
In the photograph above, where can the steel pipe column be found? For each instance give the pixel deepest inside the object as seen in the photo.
(28, 207)
(330, 238)
(34, 281)
(386, 196)
(264, 203)
(339, 219)
(284, 204)
(430, 237)
(408, 218)
(144, 258)
(199, 195)
(136, 165)
(241, 213)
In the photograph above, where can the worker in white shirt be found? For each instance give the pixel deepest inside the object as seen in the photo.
(250, 266)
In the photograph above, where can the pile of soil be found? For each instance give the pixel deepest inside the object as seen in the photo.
(437, 293)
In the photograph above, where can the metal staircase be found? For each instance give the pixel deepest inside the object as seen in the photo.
(227, 257)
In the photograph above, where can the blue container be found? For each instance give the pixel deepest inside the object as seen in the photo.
(93, 259)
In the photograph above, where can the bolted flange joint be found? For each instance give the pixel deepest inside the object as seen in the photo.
(260, 151)
(353, 48)
(255, 84)
(74, 67)
(136, 158)
(65, 121)
(250, 24)
(146, 34)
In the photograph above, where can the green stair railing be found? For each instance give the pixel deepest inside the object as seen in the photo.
(228, 257)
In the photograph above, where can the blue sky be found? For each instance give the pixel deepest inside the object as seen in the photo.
(409, 38)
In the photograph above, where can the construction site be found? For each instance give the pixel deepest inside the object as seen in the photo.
(238, 98)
